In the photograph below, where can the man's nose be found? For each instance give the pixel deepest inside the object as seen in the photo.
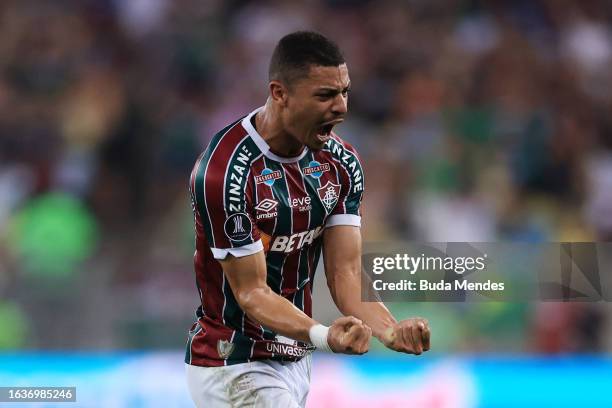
(340, 106)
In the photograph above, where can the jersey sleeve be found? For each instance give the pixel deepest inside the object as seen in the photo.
(348, 209)
(219, 193)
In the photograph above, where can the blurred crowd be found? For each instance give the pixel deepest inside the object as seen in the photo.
(475, 120)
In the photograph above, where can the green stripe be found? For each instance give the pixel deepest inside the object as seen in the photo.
(192, 334)
(242, 349)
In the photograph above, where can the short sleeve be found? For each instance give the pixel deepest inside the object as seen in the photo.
(348, 209)
(219, 193)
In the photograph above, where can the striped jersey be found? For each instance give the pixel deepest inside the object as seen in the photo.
(247, 199)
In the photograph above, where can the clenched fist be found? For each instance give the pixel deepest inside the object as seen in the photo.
(349, 335)
(408, 336)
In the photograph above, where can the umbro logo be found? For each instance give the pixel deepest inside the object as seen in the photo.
(266, 209)
(266, 205)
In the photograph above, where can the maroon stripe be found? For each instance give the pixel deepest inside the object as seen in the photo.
(211, 281)
(204, 344)
(214, 183)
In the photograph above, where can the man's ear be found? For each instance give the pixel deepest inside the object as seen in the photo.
(278, 93)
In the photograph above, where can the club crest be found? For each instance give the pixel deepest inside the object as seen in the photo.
(224, 348)
(328, 194)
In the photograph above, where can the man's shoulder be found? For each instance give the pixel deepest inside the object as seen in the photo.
(230, 135)
(226, 145)
(341, 150)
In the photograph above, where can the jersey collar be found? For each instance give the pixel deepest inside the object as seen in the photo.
(263, 146)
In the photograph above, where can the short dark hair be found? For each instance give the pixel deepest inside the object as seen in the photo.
(296, 52)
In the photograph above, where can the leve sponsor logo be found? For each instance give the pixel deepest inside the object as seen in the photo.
(301, 203)
(294, 242)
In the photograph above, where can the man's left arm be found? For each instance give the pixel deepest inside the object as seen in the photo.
(342, 260)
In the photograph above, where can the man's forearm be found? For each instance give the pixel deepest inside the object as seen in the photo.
(276, 313)
(347, 296)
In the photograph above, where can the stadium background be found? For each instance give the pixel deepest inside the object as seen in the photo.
(476, 121)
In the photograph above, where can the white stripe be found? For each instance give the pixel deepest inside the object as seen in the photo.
(310, 246)
(224, 297)
(282, 269)
(302, 249)
(252, 348)
(231, 341)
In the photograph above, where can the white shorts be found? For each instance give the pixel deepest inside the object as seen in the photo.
(258, 384)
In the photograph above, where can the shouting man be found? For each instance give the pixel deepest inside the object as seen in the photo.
(270, 191)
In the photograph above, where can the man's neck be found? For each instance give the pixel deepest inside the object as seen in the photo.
(269, 125)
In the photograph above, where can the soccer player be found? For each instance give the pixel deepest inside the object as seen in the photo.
(270, 191)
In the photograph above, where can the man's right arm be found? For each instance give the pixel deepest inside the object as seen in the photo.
(247, 279)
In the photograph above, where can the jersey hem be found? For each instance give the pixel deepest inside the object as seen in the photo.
(238, 252)
(343, 219)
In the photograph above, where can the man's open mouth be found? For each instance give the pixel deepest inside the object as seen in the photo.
(326, 129)
(324, 132)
